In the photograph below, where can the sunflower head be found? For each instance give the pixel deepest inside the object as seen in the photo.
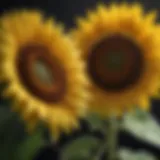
(44, 71)
(120, 45)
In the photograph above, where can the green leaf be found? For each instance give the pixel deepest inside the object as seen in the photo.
(30, 146)
(5, 114)
(126, 154)
(15, 143)
(95, 122)
(142, 125)
(11, 133)
(80, 149)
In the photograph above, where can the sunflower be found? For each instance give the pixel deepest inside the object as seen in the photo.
(120, 45)
(44, 72)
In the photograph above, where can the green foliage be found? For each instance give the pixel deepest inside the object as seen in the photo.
(143, 126)
(126, 154)
(80, 149)
(8, 133)
(140, 124)
(30, 146)
(95, 122)
(15, 143)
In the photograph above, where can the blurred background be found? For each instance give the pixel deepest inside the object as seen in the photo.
(65, 11)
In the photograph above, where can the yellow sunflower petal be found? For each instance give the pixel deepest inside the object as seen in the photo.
(29, 41)
(105, 37)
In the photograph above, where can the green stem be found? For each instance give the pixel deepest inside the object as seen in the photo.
(100, 152)
(111, 138)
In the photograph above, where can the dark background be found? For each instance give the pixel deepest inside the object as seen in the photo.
(65, 11)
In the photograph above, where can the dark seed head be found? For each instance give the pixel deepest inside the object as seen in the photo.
(115, 63)
(41, 73)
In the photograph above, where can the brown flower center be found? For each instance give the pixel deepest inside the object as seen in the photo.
(41, 73)
(115, 63)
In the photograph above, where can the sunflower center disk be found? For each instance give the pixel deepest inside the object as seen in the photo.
(41, 73)
(115, 63)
